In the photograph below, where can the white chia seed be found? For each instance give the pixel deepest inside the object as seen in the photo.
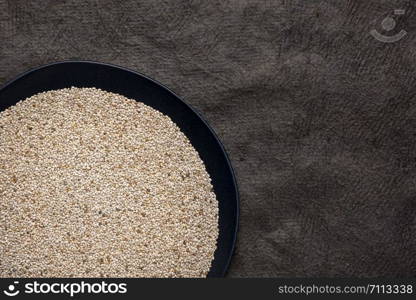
(93, 184)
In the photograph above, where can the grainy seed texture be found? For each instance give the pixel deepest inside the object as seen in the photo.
(93, 184)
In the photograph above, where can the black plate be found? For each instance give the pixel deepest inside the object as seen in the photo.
(137, 86)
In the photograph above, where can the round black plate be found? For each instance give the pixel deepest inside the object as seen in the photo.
(137, 86)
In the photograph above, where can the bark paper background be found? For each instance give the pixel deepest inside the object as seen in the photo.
(317, 116)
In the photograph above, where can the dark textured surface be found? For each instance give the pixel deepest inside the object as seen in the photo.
(318, 117)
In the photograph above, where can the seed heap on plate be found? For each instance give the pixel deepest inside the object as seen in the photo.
(93, 184)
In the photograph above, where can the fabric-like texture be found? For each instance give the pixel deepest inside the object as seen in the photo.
(318, 117)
